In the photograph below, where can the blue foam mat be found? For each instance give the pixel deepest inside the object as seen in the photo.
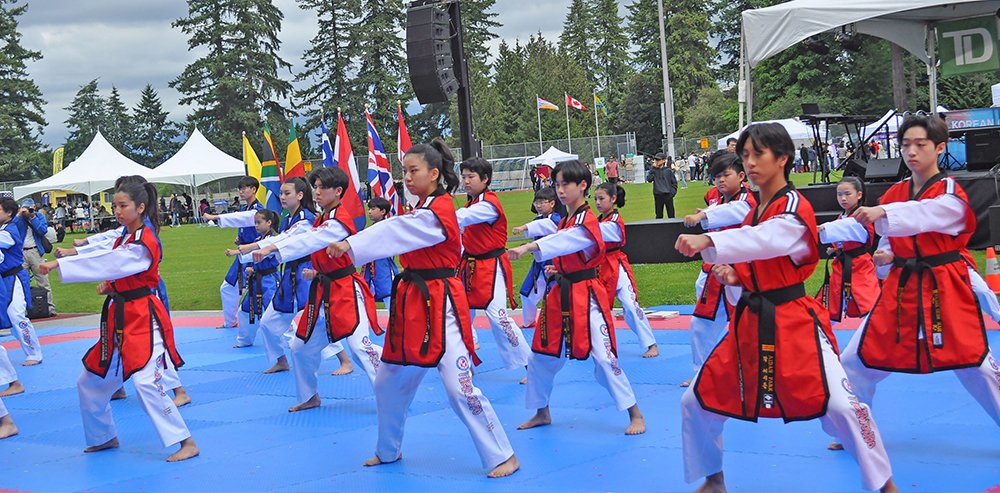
(938, 437)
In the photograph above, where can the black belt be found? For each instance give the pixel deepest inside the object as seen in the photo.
(469, 270)
(612, 250)
(119, 298)
(294, 265)
(419, 278)
(12, 271)
(918, 265)
(764, 304)
(256, 282)
(846, 258)
(565, 282)
(315, 303)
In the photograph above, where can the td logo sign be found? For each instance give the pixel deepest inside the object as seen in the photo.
(968, 46)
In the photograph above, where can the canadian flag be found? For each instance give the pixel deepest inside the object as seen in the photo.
(573, 103)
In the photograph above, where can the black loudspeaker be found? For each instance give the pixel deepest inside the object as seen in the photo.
(855, 167)
(428, 54)
(982, 149)
(39, 304)
(885, 169)
(994, 214)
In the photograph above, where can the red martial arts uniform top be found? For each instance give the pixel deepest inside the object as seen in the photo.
(712, 294)
(485, 251)
(770, 363)
(416, 334)
(127, 317)
(927, 319)
(614, 257)
(854, 280)
(564, 324)
(332, 290)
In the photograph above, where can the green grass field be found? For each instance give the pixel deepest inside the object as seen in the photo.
(194, 262)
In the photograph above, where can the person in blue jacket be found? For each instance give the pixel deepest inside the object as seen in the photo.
(380, 273)
(15, 288)
(34, 253)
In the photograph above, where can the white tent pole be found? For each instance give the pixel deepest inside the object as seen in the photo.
(741, 95)
(539, 114)
(932, 67)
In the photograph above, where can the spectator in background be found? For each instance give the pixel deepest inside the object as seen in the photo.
(175, 210)
(812, 160)
(679, 167)
(38, 236)
(692, 165)
(59, 220)
(188, 206)
(730, 145)
(203, 207)
(611, 170)
(80, 214)
(664, 185)
(804, 155)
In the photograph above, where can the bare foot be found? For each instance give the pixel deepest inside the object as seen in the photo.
(119, 394)
(835, 445)
(14, 388)
(113, 443)
(541, 418)
(889, 487)
(346, 367)
(637, 426)
(181, 397)
(476, 346)
(31, 362)
(311, 403)
(279, 366)
(505, 469)
(713, 484)
(7, 427)
(523, 381)
(187, 451)
(240, 346)
(686, 383)
(651, 352)
(375, 461)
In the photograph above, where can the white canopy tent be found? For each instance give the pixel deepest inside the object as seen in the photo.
(908, 23)
(95, 170)
(891, 120)
(197, 163)
(552, 156)
(797, 130)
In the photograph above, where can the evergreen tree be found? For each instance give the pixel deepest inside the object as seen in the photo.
(611, 70)
(644, 33)
(153, 139)
(642, 98)
(512, 88)
(21, 114)
(86, 115)
(382, 77)
(551, 73)
(117, 126)
(237, 80)
(330, 60)
(577, 36)
(689, 56)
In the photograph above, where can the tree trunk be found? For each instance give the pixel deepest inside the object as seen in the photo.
(898, 79)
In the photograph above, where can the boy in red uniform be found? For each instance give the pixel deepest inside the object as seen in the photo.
(728, 204)
(485, 268)
(928, 318)
(575, 321)
(779, 358)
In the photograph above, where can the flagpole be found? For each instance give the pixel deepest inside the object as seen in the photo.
(538, 110)
(246, 170)
(569, 142)
(597, 127)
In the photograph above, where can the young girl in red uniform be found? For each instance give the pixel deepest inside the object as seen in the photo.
(575, 321)
(340, 304)
(429, 318)
(928, 318)
(136, 335)
(851, 288)
(615, 272)
(485, 269)
(728, 203)
(779, 358)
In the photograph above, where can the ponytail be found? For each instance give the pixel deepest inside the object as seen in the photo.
(615, 192)
(438, 156)
(143, 193)
(271, 216)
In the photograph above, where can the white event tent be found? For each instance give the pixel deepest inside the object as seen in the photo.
(95, 170)
(908, 23)
(797, 130)
(552, 156)
(196, 163)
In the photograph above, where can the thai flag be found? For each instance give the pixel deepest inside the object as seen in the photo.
(344, 158)
(379, 172)
(328, 160)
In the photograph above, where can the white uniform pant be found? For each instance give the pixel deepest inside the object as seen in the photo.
(514, 349)
(230, 303)
(634, 316)
(847, 419)
(982, 382)
(7, 375)
(95, 398)
(396, 385)
(706, 334)
(246, 332)
(274, 326)
(529, 304)
(542, 368)
(987, 299)
(21, 326)
(306, 356)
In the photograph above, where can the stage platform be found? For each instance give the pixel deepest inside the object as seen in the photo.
(938, 438)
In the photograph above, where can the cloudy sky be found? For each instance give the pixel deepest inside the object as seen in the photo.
(128, 43)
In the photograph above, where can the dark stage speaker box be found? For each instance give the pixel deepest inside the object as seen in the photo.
(856, 167)
(885, 170)
(982, 149)
(428, 54)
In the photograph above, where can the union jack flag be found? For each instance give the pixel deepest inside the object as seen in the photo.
(379, 171)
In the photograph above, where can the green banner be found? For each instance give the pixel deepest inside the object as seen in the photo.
(968, 46)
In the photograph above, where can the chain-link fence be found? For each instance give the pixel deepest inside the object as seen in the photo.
(686, 145)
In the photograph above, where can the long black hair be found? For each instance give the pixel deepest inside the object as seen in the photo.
(438, 156)
(144, 194)
(273, 217)
(771, 136)
(301, 185)
(615, 192)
